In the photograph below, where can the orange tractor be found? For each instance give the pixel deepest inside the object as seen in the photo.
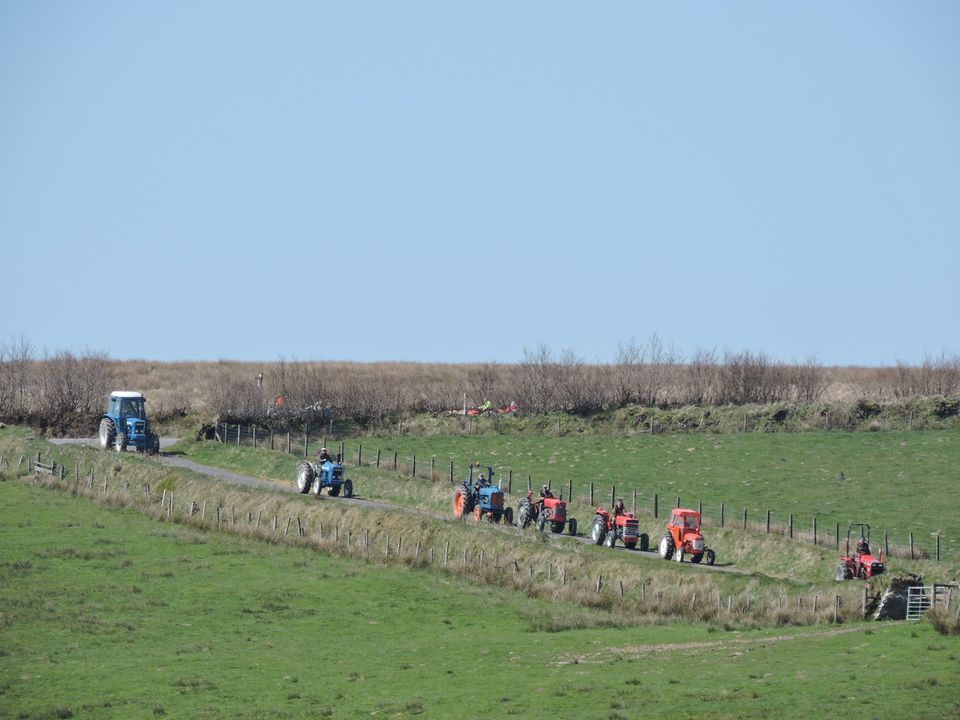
(682, 537)
(863, 564)
(607, 529)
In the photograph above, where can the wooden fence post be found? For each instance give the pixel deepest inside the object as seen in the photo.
(634, 501)
(722, 513)
(911, 545)
(570, 490)
(359, 454)
(837, 532)
(814, 530)
(591, 494)
(744, 518)
(414, 466)
(306, 442)
(656, 503)
(288, 444)
(395, 461)
(791, 526)
(378, 458)
(768, 522)
(613, 493)
(886, 544)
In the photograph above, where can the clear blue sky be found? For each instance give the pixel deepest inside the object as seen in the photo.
(454, 182)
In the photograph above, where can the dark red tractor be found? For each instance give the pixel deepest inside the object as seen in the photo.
(543, 511)
(862, 564)
(682, 537)
(607, 529)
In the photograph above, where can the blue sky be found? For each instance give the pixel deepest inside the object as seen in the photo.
(455, 182)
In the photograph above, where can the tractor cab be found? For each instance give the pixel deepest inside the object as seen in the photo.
(682, 537)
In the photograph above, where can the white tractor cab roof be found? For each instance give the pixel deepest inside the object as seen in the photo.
(126, 394)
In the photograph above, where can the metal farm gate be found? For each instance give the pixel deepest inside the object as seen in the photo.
(922, 598)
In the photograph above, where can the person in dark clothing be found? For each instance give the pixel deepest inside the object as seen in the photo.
(619, 508)
(324, 456)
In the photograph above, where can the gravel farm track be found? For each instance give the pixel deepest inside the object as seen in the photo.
(174, 460)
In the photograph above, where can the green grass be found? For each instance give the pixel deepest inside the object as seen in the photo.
(108, 614)
(901, 482)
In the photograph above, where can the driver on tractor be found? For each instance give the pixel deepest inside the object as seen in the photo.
(619, 508)
(863, 547)
(323, 456)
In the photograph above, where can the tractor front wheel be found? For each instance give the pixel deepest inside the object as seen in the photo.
(153, 447)
(572, 527)
(334, 490)
(477, 514)
(610, 540)
(348, 488)
(678, 554)
(557, 527)
(541, 522)
(666, 547)
(696, 558)
(711, 557)
(644, 542)
(508, 516)
(120, 444)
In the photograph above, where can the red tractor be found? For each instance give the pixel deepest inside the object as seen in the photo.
(547, 509)
(863, 564)
(682, 537)
(606, 530)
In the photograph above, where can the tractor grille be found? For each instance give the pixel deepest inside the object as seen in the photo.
(630, 530)
(698, 545)
(496, 500)
(138, 428)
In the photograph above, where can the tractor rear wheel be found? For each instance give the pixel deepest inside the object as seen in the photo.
(508, 516)
(843, 573)
(107, 434)
(120, 444)
(523, 514)
(572, 527)
(304, 478)
(666, 547)
(598, 530)
(711, 557)
(644, 542)
(459, 503)
(348, 488)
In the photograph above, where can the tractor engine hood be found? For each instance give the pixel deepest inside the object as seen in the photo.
(135, 426)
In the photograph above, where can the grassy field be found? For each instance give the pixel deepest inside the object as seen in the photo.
(759, 471)
(105, 613)
(898, 481)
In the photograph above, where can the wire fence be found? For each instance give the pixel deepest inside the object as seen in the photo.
(807, 529)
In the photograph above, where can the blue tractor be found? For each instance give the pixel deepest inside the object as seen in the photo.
(325, 474)
(125, 424)
(477, 495)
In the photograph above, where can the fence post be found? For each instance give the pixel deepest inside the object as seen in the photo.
(570, 490)
(359, 454)
(838, 535)
(791, 526)
(744, 518)
(271, 439)
(613, 493)
(656, 503)
(678, 501)
(591, 493)
(306, 443)
(814, 530)
(634, 501)
(529, 484)
(433, 465)
(510, 482)
(886, 544)
(938, 547)
(288, 444)
(414, 466)
(394, 460)
(911, 545)
(768, 522)
(238, 435)
(254, 437)
(451, 473)
(378, 458)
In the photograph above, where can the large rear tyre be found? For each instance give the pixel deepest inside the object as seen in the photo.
(459, 503)
(523, 515)
(666, 547)
(108, 434)
(348, 488)
(598, 530)
(843, 573)
(572, 527)
(304, 478)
